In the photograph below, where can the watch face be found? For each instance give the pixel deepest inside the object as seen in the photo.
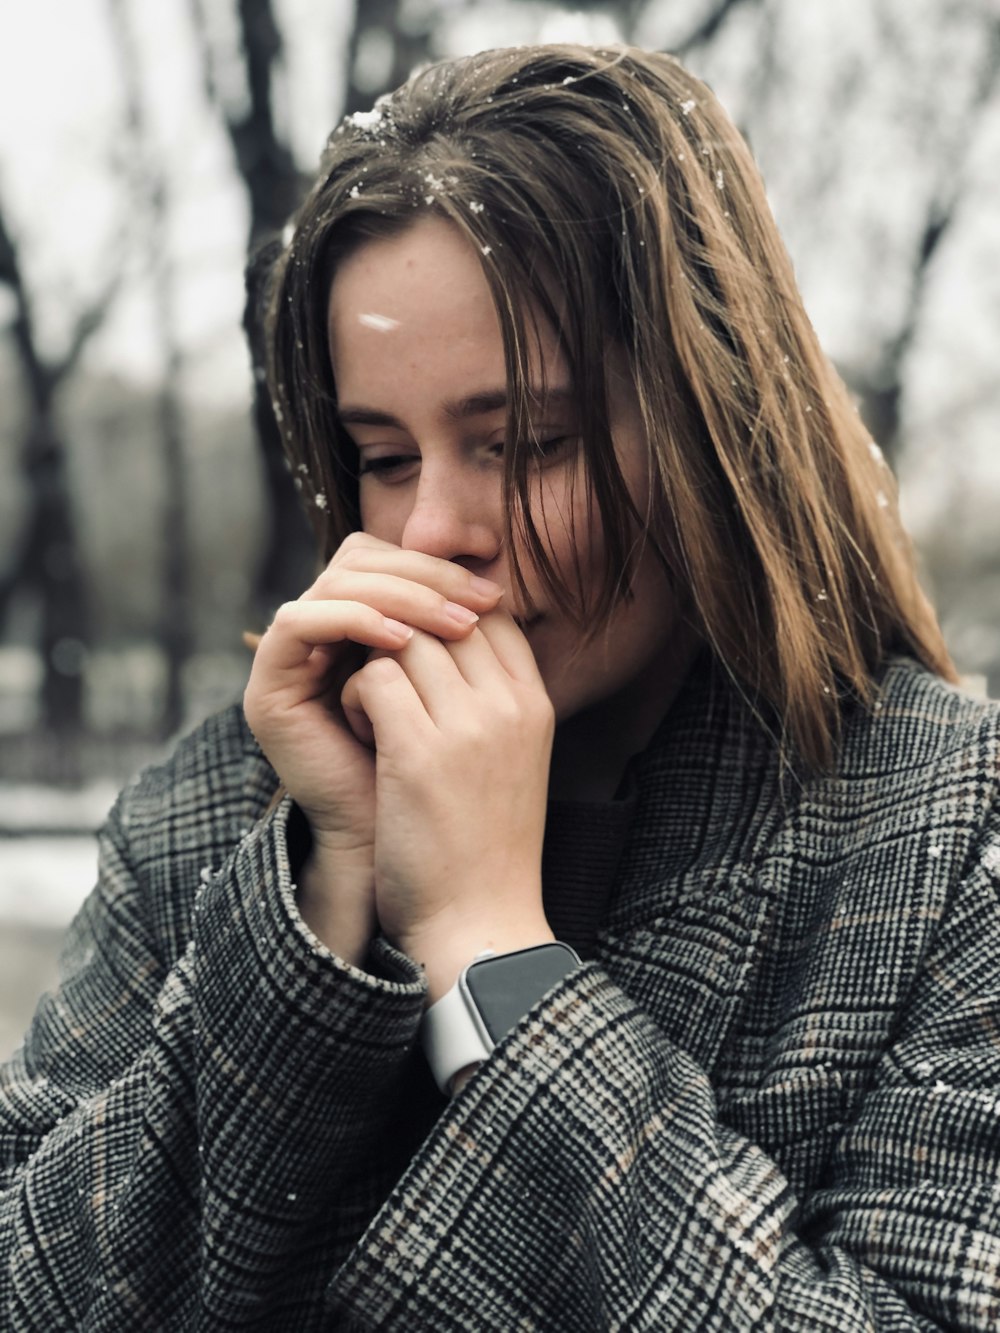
(503, 989)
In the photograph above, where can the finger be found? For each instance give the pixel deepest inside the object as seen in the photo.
(437, 677)
(474, 657)
(450, 677)
(382, 692)
(442, 673)
(397, 597)
(355, 715)
(299, 627)
(511, 647)
(454, 582)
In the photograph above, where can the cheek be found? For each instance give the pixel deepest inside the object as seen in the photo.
(568, 525)
(382, 514)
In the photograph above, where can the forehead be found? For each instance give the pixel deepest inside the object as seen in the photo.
(420, 303)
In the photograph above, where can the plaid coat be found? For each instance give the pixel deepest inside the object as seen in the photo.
(772, 1101)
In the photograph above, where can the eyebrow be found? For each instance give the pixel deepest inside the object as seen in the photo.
(458, 409)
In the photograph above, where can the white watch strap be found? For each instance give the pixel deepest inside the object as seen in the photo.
(451, 1036)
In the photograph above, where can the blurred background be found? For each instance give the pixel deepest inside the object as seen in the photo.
(146, 518)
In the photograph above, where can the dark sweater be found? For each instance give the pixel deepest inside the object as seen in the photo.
(584, 841)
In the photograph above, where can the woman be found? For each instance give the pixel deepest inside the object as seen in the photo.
(609, 562)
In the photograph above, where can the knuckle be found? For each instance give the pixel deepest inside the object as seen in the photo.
(474, 735)
(285, 616)
(538, 712)
(546, 711)
(377, 668)
(351, 559)
(321, 581)
(508, 711)
(350, 549)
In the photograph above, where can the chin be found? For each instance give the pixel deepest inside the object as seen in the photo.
(569, 696)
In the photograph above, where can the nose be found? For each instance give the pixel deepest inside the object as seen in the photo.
(457, 514)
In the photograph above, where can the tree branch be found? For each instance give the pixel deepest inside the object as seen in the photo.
(706, 30)
(946, 199)
(37, 373)
(45, 376)
(87, 324)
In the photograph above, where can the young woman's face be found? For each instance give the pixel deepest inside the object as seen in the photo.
(419, 365)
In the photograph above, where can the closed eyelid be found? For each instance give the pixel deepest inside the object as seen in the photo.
(380, 452)
(380, 455)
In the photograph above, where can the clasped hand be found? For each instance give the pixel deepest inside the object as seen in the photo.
(416, 741)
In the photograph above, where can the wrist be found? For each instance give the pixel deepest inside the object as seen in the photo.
(444, 951)
(336, 900)
(492, 994)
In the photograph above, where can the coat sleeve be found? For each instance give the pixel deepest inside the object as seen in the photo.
(584, 1178)
(172, 1132)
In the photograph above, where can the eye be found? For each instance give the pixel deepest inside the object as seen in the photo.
(544, 449)
(541, 449)
(553, 443)
(383, 465)
(550, 447)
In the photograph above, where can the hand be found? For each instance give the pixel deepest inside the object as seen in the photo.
(369, 596)
(463, 734)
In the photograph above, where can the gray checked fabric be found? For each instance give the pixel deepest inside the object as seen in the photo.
(770, 1101)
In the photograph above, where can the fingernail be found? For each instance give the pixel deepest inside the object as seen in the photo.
(485, 587)
(460, 614)
(397, 627)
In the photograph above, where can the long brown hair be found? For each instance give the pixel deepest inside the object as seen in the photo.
(607, 189)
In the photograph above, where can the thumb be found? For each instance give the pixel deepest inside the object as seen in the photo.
(354, 713)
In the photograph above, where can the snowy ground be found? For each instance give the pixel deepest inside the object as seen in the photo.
(43, 879)
(45, 873)
(28, 808)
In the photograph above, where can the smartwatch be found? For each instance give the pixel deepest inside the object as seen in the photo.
(490, 996)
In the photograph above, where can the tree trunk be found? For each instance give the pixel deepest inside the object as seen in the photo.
(48, 564)
(274, 186)
(51, 555)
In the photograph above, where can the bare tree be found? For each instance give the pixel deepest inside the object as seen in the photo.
(880, 385)
(47, 564)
